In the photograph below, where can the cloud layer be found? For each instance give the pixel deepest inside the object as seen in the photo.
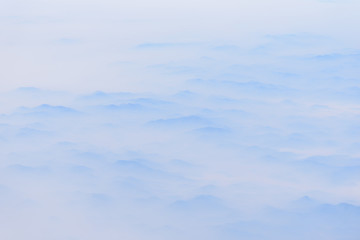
(154, 121)
(246, 160)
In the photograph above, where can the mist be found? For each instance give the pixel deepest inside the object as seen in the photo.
(179, 120)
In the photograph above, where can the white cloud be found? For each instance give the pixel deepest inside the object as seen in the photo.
(179, 120)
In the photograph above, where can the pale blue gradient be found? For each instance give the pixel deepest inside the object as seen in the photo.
(180, 120)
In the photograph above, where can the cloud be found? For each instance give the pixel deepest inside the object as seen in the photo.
(185, 120)
(220, 166)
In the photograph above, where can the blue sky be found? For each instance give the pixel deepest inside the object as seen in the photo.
(179, 120)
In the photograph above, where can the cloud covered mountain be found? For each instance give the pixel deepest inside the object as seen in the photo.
(185, 165)
(231, 120)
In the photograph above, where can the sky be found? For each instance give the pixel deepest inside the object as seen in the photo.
(179, 120)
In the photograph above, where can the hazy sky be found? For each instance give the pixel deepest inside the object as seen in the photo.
(92, 45)
(219, 120)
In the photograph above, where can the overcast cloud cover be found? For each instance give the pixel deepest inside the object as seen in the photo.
(157, 120)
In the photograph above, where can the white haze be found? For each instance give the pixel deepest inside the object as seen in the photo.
(180, 120)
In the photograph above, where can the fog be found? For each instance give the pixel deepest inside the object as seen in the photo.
(179, 120)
